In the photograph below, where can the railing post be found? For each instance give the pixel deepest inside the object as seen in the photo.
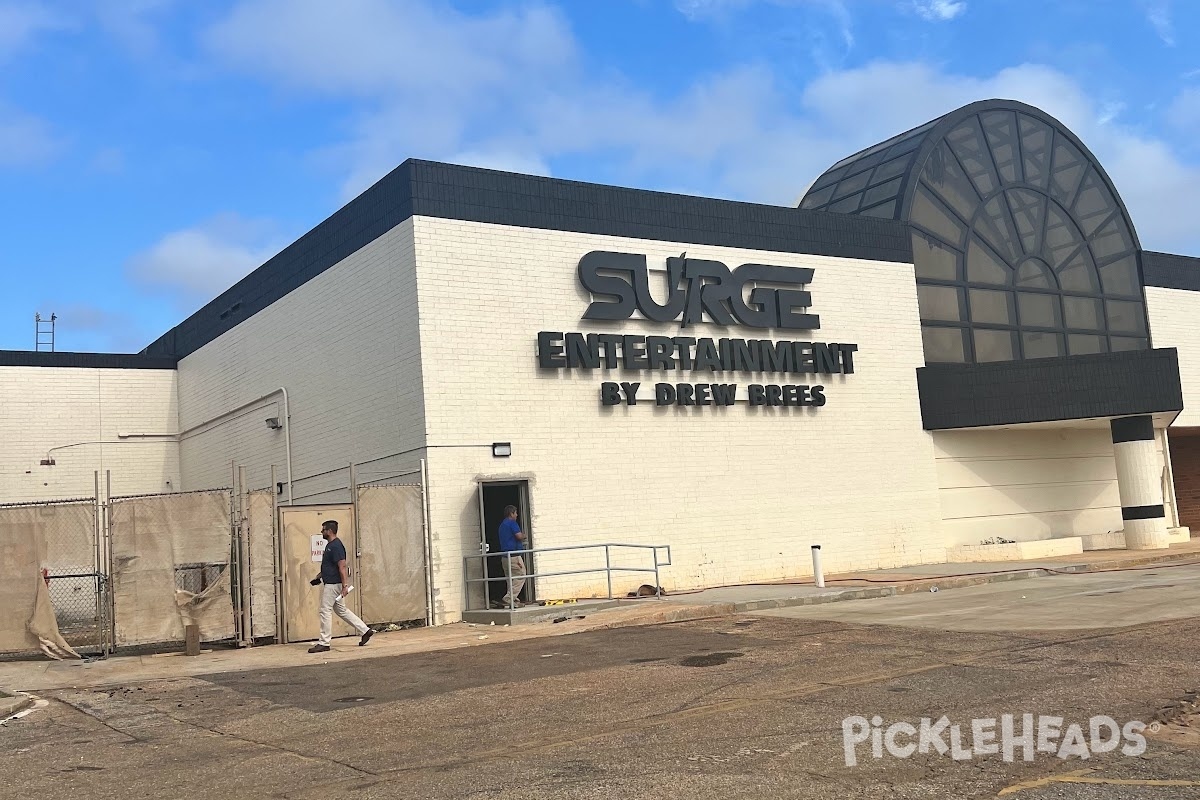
(657, 585)
(608, 570)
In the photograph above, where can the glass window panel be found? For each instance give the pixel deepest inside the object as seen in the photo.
(1035, 150)
(992, 307)
(1042, 345)
(847, 205)
(1094, 205)
(884, 191)
(967, 143)
(1027, 210)
(994, 345)
(1111, 239)
(1124, 317)
(1082, 344)
(835, 172)
(1062, 238)
(946, 178)
(999, 127)
(934, 259)
(1079, 275)
(1067, 171)
(984, 267)
(1034, 274)
(944, 345)
(1121, 277)
(886, 210)
(890, 169)
(852, 184)
(1039, 310)
(942, 303)
(999, 231)
(1083, 313)
(1123, 343)
(929, 214)
(818, 198)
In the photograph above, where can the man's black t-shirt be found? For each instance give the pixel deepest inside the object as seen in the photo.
(335, 551)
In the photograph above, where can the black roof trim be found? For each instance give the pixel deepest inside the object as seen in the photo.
(431, 189)
(29, 358)
(1170, 271)
(1050, 389)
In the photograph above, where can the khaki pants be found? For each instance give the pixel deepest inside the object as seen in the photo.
(332, 603)
(518, 576)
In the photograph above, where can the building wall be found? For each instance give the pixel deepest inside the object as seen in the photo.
(1027, 484)
(740, 494)
(345, 346)
(45, 409)
(1175, 322)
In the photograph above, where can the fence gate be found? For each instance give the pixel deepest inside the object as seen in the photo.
(171, 558)
(300, 555)
(53, 592)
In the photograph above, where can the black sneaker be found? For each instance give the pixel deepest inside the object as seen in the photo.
(319, 648)
(366, 637)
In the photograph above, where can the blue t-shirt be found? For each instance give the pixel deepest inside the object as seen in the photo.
(508, 535)
(335, 551)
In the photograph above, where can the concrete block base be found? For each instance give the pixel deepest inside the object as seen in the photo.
(1017, 551)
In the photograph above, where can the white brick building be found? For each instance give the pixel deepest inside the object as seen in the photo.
(1006, 382)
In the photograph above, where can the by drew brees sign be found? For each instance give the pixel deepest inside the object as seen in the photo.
(698, 290)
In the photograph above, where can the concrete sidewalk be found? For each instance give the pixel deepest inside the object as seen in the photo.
(582, 616)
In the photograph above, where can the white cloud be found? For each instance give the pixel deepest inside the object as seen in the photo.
(1158, 12)
(511, 91)
(26, 140)
(90, 328)
(195, 264)
(939, 10)
(21, 22)
(1184, 112)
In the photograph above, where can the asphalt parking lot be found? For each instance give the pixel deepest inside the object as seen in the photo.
(739, 706)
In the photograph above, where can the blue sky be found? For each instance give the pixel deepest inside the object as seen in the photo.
(154, 151)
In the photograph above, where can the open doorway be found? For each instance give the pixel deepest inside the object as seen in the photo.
(494, 497)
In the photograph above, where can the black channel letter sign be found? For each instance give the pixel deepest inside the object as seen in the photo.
(696, 288)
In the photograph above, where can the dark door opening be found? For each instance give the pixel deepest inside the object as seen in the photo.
(493, 499)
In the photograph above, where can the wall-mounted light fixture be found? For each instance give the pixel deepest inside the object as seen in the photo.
(273, 423)
(47, 462)
(501, 449)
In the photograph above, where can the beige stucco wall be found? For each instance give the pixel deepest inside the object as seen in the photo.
(86, 420)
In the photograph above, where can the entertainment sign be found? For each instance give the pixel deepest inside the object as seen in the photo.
(698, 289)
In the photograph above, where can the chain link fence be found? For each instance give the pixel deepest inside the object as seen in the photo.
(54, 592)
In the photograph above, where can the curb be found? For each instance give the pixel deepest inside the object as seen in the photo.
(698, 612)
(13, 704)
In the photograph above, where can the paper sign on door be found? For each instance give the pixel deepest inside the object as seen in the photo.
(318, 547)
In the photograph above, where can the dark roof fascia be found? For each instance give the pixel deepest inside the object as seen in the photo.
(29, 358)
(1050, 389)
(446, 191)
(1170, 271)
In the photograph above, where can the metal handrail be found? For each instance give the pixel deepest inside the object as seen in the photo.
(608, 568)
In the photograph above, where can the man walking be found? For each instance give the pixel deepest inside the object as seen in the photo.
(512, 540)
(335, 587)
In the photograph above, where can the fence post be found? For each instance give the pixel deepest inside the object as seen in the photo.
(427, 538)
(112, 589)
(244, 558)
(99, 586)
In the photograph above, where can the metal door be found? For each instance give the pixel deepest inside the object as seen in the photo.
(300, 551)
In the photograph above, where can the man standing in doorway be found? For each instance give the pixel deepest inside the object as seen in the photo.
(512, 540)
(335, 587)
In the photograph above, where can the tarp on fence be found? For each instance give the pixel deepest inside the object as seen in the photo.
(262, 563)
(391, 539)
(171, 567)
(57, 538)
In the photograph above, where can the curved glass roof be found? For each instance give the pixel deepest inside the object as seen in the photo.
(1023, 249)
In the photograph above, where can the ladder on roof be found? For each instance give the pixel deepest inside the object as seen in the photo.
(44, 333)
